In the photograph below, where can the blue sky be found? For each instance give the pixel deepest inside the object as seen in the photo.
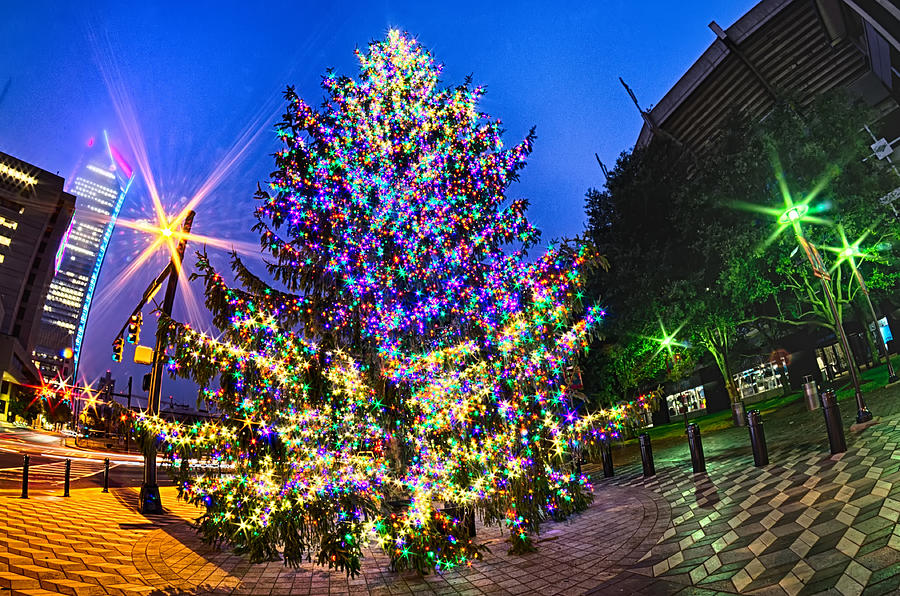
(199, 75)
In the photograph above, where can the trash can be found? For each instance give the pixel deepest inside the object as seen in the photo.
(811, 392)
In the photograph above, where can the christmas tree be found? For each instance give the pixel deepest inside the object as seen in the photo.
(415, 365)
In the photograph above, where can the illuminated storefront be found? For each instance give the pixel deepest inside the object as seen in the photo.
(761, 380)
(690, 400)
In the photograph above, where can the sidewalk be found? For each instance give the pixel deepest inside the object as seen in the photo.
(808, 523)
(95, 543)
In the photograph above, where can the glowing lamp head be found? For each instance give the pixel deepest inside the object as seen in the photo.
(794, 214)
(167, 232)
(848, 253)
(66, 353)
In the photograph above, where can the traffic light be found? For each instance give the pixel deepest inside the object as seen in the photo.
(134, 328)
(118, 345)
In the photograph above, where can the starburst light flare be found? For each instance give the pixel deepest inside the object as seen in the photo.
(413, 371)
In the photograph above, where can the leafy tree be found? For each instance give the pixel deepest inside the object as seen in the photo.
(711, 268)
(24, 402)
(57, 411)
(416, 357)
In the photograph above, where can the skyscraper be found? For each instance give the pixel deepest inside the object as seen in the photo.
(100, 185)
(34, 214)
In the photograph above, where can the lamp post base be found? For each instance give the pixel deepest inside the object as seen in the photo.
(863, 415)
(150, 502)
(893, 379)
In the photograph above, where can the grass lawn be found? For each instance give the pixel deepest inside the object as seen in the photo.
(871, 379)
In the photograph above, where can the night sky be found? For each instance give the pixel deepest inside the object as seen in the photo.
(202, 80)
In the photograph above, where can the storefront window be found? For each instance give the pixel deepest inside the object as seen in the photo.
(691, 400)
(759, 379)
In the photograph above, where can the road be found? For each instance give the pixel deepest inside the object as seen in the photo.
(48, 454)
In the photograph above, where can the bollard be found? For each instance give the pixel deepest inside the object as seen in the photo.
(646, 455)
(697, 460)
(606, 456)
(106, 476)
(833, 422)
(757, 439)
(25, 476)
(68, 474)
(811, 393)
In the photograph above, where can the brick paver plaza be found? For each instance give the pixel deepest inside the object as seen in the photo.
(808, 523)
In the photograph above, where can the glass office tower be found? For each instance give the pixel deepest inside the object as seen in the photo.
(100, 185)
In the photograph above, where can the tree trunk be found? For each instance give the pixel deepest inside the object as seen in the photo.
(874, 345)
(734, 396)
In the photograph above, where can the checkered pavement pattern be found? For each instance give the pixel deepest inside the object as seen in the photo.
(809, 523)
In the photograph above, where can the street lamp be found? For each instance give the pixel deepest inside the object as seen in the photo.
(149, 500)
(848, 252)
(668, 342)
(793, 215)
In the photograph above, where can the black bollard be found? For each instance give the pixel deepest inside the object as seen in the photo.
(646, 455)
(606, 456)
(697, 460)
(106, 476)
(757, 439)
(833, 422)
(68, 474)
(25, 476)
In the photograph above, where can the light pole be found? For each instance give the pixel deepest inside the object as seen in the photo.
(848, 252)
(792, 216)
(150, 502)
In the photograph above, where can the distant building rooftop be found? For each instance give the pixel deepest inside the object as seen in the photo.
(785, 49)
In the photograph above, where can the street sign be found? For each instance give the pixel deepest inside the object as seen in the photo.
(881, 148)
(143, 355)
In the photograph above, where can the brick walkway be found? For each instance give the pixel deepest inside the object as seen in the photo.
(808, 523)
(95, 543)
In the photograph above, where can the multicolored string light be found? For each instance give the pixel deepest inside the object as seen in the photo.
(418, 365)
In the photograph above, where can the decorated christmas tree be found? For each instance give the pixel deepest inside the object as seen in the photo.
(415, 365)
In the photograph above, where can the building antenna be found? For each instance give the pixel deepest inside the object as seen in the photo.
(602, 167)
(651, 122)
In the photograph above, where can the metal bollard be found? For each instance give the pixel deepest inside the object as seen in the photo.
(757, 439)
(470, 521)
(646, 455)
(68, 475)
(698, 462)
(811, 393)
(606, 456)
(106, 476)
(25, 476)
(833, 422)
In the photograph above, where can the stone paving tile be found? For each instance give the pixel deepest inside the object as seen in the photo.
(809, 523)
(95, 543)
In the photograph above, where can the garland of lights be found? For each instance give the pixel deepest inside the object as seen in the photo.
(419, 372)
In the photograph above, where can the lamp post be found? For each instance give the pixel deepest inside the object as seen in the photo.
(150, 502)
(792, 216)
(848, 252)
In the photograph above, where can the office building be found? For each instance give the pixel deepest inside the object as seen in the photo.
(35, 212)
(796, 49)
(101, 183)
